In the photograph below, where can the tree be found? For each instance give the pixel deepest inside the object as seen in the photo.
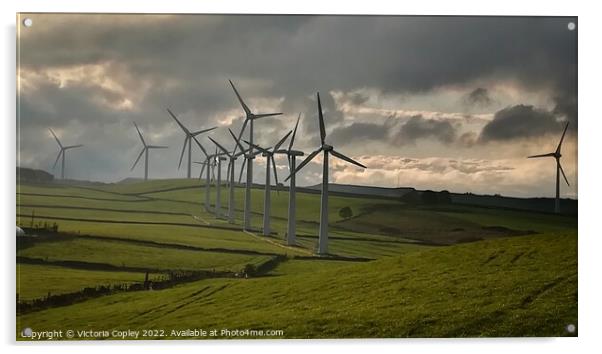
(346, 212)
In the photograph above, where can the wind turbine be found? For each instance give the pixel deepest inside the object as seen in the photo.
(144, 151)
(187, 141)
(557, 155)
(267, 199)
(249, 119)
(62, 153)
(230, 174)
(206, 164)
(218, 194)
(292, 196)
(327, 150)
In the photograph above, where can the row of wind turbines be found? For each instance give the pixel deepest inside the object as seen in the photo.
(214, 161)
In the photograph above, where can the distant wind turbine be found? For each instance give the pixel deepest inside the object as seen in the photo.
(557, 155)
(230, 174)
(206, 164)
(62, 153)
(327, 150)
(187, 141)
(267, 198)
(249, 119)
(291, 154)
(144, 151)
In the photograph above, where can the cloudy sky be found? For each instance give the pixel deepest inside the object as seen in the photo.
(452, 103)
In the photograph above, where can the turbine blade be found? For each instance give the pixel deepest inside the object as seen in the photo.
(157, 147)
(202, 170)
(237, 141)
(562, 138)
(220, 147)
(263, 115)
(213, 171)
(542, 155)
(242, 103)
(290, 145)
(138, 159)
(274, 168)
(321, 121)
(57, 158)
(202, 131)
(55, 138)
(305, 162)
(183, 149)
(72, 146)
(277, 146)
(228, 172)
(244, 164)
(348, 159)
(201, 147)
(265, 151)
(139, 133)
(178, 121)
(563, 175)
(242, 130)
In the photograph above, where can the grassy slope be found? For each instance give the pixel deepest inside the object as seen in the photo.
(122, 254)
(523, 286)
(36, 281)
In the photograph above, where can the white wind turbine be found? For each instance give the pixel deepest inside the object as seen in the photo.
(62, 153)
(557, 155)
(250, 117)
(206, 164)
(144, 151)
(230, 174)
(327, 150)
(267, 197)
(291, 154)
(187, 141)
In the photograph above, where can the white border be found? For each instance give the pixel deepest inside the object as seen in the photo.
(589, 160)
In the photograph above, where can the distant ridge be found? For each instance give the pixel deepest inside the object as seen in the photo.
(372, 191)
(545, 205)
(130, 180)
(32, 175)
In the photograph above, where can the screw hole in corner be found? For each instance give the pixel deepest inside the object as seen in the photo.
(28, 22)
(571, 26)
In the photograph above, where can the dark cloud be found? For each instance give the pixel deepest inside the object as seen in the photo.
(519, 121)
(479, 97)
(418, 127)
(357, 132)
(566, 107)
(184, 62)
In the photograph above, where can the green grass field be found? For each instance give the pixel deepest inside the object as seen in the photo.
(37, 281)
(435, 271)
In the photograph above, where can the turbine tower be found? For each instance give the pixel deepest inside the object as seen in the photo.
(62, 153)
(230, 174)
(557, 155)
(187, 141)
(250, 117)
(206, 164)
(327, 150)
(291, 154)
(221, 158)
(144, 151)
(267, 196)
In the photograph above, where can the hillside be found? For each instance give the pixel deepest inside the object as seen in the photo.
(522, 286)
